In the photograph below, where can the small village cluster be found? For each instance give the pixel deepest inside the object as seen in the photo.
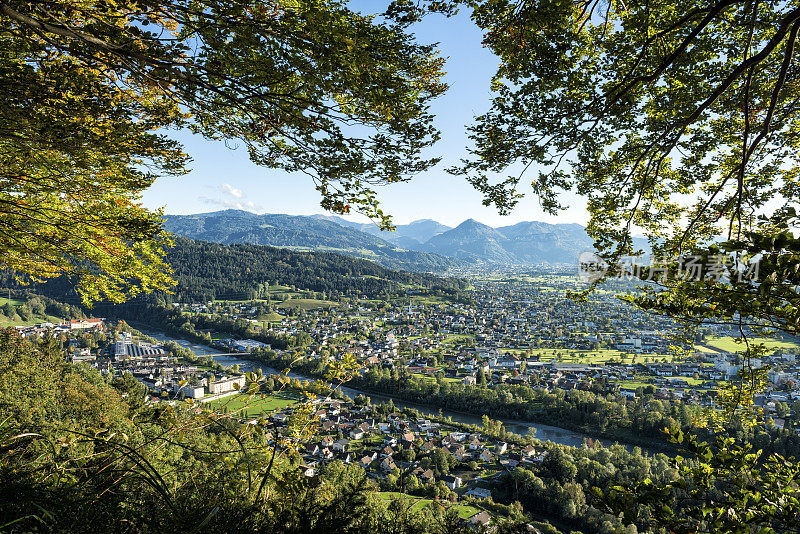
(415, 453)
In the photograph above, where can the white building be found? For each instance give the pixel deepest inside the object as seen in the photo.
(451, 482)
(480, 493)
(84, 324)
(226, 384)
(726, 367)
(124, 340)
(193, 392)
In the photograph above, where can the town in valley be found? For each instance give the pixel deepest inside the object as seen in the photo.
(504, 335)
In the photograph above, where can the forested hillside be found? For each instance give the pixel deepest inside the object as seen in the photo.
(423, 245)
(207, 271)
(302, 233)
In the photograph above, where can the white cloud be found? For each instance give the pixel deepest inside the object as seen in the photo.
(246, 205)
(232, 198)
(232, 191)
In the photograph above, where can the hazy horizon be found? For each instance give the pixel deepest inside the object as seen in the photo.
(363, 219)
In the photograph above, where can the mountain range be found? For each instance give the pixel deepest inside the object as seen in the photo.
(299, 232)
(423, 245)
(409, 236)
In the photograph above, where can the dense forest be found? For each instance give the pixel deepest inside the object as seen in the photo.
(207, 271)
(39, 308)
(306, 233)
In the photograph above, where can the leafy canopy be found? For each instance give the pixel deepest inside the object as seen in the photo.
(679, 118)
(676, 117)
(92, 90)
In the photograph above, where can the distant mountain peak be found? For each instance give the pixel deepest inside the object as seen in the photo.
(230, 212)
(472, 222)
(424, 244)
(305, 233)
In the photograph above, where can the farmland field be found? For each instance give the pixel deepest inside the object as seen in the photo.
(595, 356)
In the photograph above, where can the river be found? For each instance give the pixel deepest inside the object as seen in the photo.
(554, 434)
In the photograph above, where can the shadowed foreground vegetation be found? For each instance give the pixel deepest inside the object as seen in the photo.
(81, 454)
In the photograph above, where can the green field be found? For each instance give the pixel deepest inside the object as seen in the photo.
(271, 317)
(598, 356)
(692, 381)
(464, 510)
(594, 356)
(279, 289)
(418, 300)
(455, 339)
(433, 379)
(729, 344)
(35, 319)
(701, 348)
(306, 304)
(633, 384)
(273, 290)
(253, 406)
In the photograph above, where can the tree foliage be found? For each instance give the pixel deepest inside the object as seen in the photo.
(732, 487)
(91, 90)
(676, 118)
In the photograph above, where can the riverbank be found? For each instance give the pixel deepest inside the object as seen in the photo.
(563, 435)
(572, 435)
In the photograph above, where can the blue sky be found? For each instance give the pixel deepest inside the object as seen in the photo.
(223, 177)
